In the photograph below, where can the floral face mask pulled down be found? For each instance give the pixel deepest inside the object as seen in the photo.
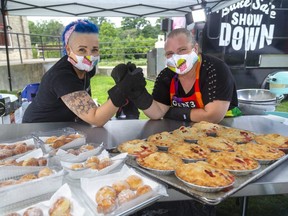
(84, 63)
(181, 64)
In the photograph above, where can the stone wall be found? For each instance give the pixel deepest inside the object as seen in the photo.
(23, 74)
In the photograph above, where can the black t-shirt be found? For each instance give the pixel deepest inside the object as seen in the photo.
(216, 83)
(59, 80)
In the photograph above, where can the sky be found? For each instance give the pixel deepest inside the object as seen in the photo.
(66, 20)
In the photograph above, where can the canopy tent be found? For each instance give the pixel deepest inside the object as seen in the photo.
(109, 8)
(103, 8)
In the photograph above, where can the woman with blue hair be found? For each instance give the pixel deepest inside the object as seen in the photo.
(64, 93)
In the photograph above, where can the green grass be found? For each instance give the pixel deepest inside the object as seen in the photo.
(283, 106)
(100, 84)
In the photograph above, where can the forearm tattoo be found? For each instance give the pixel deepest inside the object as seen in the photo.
(79, 102)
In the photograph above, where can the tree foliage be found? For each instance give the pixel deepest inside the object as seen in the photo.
(46, 32)
(132, 40)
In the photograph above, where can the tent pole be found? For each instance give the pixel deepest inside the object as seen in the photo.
(3, 12)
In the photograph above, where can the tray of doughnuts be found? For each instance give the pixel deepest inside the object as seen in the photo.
(65, 138)
(79, 153)
(30, 162)
(25, 186)
(96, 165)
(16, 148)
(62, 202)
(122, 192)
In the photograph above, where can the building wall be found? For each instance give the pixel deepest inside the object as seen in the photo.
(19, 24)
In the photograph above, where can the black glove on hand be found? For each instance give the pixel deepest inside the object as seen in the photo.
(138, 93)
(179, 114)
(127, 81)
(115, 94)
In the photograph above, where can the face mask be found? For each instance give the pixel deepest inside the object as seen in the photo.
(181, 64)
(84, 63)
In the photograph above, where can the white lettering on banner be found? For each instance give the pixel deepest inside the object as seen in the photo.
(250, 35)
(247, 30)
(265, 8)
(246, 19)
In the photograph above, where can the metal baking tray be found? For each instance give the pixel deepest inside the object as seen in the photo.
(208, 197)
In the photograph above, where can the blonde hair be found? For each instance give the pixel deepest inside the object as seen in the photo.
(190, 38)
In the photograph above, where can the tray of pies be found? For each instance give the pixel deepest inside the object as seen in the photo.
(160, 162)
(137, 148)
(62, 202)
(16, 149)
(121, 193)
(94, 166)
(262, 153)
(163, 140)
(233, 162)
(274, 140)
(79, 153)
(189, 152)
(29, 185)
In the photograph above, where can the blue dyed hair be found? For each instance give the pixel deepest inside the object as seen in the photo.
(82, 26)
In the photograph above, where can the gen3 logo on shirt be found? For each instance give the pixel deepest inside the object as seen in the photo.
(188, 104)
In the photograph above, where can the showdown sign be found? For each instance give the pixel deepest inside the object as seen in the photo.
(248, 28)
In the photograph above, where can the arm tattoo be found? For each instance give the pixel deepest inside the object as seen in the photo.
(79, 102)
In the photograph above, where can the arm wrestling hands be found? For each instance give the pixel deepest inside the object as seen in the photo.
(130, 85)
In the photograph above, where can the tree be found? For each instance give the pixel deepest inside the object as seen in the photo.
(134, 23)
(98, 20)
(47, 32)
(150, 31)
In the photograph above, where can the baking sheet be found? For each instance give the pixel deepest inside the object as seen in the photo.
(204, 197)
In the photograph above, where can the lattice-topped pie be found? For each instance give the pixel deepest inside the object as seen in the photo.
(160, 161)
(273, 140)
(217, 143)
(236, 135)
(189, 151)
(163, 139)
(232, 161)
(188, 133)
(202, 173)
(207, 127)
(259, 152)
(137, 147)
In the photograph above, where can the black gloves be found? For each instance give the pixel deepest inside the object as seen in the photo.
(130, 81)
(179, 114)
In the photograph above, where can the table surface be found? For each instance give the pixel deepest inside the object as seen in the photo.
(118, 131)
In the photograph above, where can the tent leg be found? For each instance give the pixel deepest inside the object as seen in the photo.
(3, 12)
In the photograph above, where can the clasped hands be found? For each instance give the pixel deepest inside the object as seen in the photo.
(130, 85)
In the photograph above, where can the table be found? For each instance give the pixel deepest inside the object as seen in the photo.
(118, 131)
